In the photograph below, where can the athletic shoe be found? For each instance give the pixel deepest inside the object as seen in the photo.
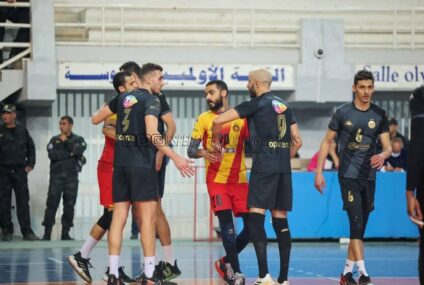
(284, 283)
(7, 236)
(154, 280)
(81, 266)
(229, 274)
(166, 271)
(124, 277)
(239, 279)
(267, 280)
(30, 236)
(364, 280)
(347, 279)
(112, 280)
(220, 267)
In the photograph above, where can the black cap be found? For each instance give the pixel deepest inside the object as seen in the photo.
(8, 108)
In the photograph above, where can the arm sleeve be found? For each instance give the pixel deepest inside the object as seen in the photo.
(334, 124)
(198, 131)
(193, 147)
(30, 150)
(152, 106)
(164, 106)
(56, 154)
(293, 117)
(247, 108)
(384, 126)
(113, 104)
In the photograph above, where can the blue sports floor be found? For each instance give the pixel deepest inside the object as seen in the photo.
(393, 263)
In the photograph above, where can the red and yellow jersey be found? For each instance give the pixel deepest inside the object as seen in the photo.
(108, 149)
(232, 168)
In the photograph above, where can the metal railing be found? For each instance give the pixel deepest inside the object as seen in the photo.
(8, 25)
(401, 28)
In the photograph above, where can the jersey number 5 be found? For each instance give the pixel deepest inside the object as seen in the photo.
(126, 121)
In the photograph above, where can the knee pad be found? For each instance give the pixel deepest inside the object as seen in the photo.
(105, 220)
(356, 227)
(228, 234)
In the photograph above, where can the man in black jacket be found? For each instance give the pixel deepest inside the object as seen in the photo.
(17, 154)
(65, 153)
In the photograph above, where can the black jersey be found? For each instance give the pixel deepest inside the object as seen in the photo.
(357, 133)
(133, 148)
(270, 117)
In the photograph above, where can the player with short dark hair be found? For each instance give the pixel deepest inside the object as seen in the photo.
(226, 178)
(168, 268)
(358, 125)
(80, 261)
(276, 139)
(134, 176)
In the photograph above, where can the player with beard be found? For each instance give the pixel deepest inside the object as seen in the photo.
(276, 139)
(225, 177)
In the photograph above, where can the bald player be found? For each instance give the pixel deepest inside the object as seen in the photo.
(270, 185)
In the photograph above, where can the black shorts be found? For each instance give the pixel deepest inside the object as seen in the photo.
(134, 184)
(270, 191)
(357, 193)
(161, 176)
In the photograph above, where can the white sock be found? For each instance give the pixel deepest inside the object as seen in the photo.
(348, 266)
(88, 246)
(169, 254)
(149, 266)
(113, 265)
(361, 267)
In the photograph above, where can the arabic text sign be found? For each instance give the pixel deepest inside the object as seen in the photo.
(184, 76)
(395, 77)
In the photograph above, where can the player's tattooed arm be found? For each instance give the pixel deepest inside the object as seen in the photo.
(193, 151)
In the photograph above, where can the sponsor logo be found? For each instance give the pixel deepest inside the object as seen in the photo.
(129, 101)
(278, 106)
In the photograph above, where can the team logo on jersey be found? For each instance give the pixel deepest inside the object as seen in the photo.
(129, 101)
(278, 106)
(348, 123)
(236, 128)
(371, 124)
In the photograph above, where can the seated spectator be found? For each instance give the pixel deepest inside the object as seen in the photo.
(331, 163)
(397, 161)
(393, 132)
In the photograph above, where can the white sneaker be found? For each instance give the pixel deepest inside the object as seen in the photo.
(284, 283)
(239, 279)
(267, 280)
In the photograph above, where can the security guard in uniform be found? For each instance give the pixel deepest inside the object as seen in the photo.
(17, 154)
(66, 156)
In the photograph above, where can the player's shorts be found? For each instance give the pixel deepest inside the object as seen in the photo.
(228, 197)
(357, 193)
(134, 184)
(270, 191)
(104, 178)
(161, 176)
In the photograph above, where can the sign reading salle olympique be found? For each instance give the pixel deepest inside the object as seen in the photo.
(177, 76)
(395, 77)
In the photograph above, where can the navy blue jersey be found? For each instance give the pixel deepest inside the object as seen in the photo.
(133, 147)
(269, 119)
(358, 132)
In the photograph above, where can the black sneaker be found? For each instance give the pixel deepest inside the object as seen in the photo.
(124, 277)
(66, 236)
(364, 280)
(81, 266)
(347, 279)
(112, 280)
(166, 271)
(154, 280)
(30, 236)
(7, 236)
